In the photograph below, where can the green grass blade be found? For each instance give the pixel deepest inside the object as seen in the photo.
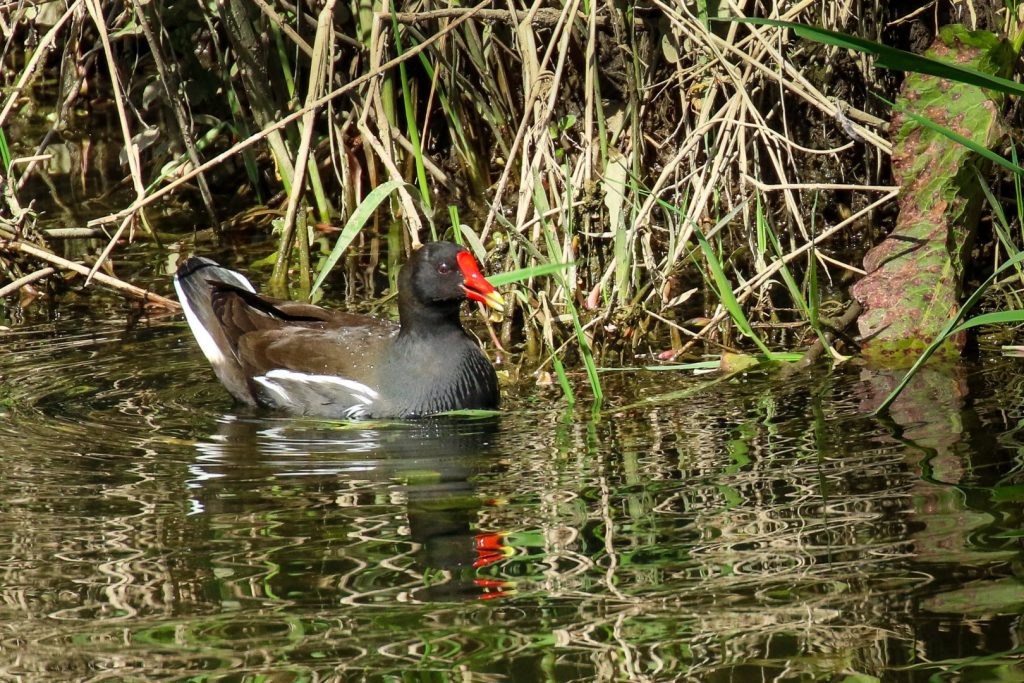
(721, 281)
(892, 58)
(1017, 189)
(5, 153)
(563, 380)
(240, 128)
(283, 60)
(588, 355)
(412, 126)
(521, 274)
(726, 295)
(795, 292)
(1000, 224)
(994, 318)
(541, 202)
(352, 227)
(813, 295)
(807, 306)
(453, 216)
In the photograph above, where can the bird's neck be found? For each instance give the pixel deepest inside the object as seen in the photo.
(429, 321)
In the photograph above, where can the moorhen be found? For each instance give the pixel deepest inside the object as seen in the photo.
(304, 359)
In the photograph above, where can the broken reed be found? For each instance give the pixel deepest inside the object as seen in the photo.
(608, 138)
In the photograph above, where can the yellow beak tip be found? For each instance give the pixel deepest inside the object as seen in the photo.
(496, 301)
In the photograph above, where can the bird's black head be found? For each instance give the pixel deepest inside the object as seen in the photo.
(442, 274)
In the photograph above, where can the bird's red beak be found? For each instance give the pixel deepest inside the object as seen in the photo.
(475, 285)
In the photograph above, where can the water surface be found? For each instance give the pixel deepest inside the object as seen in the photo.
(756, 530)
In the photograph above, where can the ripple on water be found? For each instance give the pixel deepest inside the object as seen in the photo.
(103, 394)
(153, 530)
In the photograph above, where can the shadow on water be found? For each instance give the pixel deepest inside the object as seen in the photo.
(754, 531)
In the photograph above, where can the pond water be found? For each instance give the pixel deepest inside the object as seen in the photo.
(746, 530)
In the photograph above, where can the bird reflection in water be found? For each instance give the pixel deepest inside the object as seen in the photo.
(320, 481)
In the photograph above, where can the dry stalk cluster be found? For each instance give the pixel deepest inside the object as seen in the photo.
(600, 134)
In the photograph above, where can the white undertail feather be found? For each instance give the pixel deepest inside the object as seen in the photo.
(276, 388)
(207, 344)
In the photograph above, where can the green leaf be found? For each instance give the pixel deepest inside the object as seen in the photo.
(355, 223)
(726, 294)
(521, 274)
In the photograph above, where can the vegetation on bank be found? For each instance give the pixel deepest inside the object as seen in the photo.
(713, 184)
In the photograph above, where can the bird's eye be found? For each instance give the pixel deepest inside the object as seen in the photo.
(444, 268)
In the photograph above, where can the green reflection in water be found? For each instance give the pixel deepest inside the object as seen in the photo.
(752, 531)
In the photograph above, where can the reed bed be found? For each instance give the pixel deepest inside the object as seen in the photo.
(710, 184)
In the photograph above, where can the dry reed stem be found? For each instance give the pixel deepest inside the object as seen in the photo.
(534, 93)
(542, 114)
(740, 82)
(799, 85)
(317, 84)
(912, 15)
(29, 70)
(271, 14)
(138, 292)
(707, 181)
(686, 149)
(766, 187)
(105, 254)
(168, 80)
(589, 94)
(822, 256)
(745, 290)
(279, 124)
(383, 146)
(535, 15)
(706, 184)
(131, 151)
(14, 286)
(749, 287)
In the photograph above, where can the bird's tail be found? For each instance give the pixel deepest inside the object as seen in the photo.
(195, 283)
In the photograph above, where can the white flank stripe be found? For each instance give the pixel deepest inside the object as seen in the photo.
(202, 335)
(359, 391)
(274, 387)
(356, 412)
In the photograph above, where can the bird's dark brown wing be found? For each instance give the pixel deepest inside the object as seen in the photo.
(273, 334)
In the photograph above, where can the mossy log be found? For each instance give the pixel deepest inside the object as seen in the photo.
(915, 277)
